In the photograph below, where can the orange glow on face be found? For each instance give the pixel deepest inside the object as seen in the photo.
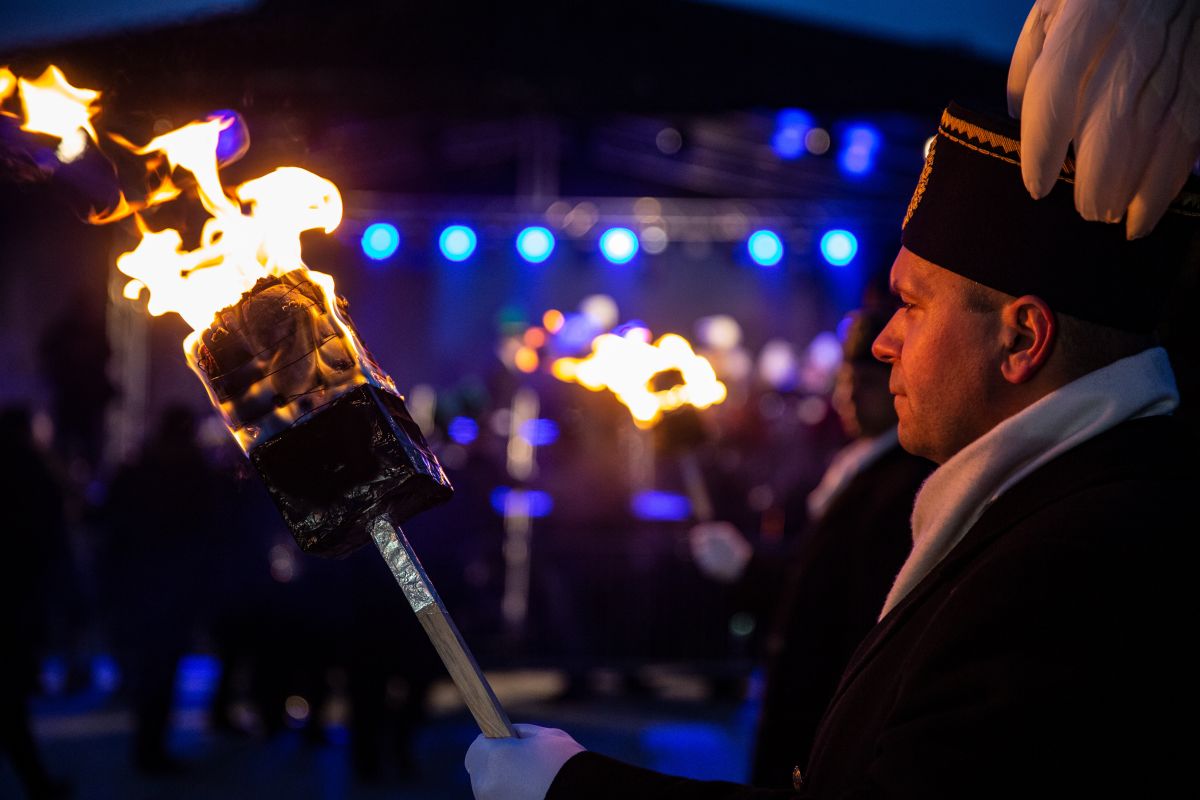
(626, 366)
(553, 320)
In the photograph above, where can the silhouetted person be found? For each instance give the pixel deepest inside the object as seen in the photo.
(73, 358)
(31, 503)
(833, 586)
(385, 645)
(163, 516)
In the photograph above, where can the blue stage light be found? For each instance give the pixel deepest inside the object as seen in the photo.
(196, 678)
(457, 242)
(839, 247)
(463, 430)
(575, 335)
(535, 244)
(765, 248)
(106, 673)
(793, 118)
(380, 241)
(635, 328)
(53, 674)
(234, 139)
(539, 432)
(791, 126)
(619, 245)
(860, 144)
(661, 506)
(536, 503)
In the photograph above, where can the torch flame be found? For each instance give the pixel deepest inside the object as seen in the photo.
(194, 148)
(8, 82)
(272, 366)
(236, 248)
(52, 106)
(626, 366)
(55, 107)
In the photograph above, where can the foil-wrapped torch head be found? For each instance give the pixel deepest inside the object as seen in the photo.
(322, 423)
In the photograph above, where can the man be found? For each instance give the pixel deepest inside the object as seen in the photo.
(857, 538)
(1030, 644)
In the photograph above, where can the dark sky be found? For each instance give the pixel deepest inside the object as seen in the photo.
(988, 27)
(60, 20)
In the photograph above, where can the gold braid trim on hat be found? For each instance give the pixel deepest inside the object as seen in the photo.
(1011, 147)
(1008, 149)
(922, 182)
(1005, 143)
(978, 149)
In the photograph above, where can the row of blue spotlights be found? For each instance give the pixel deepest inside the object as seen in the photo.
(838, 247)
(535, 244)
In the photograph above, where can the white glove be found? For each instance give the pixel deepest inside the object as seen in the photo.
(720, 551)
(519, 769)
(1123, 80)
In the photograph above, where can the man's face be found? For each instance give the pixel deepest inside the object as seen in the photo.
(862, 400)
(944, 359)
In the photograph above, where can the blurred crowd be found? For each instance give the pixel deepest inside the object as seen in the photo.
(179, 550)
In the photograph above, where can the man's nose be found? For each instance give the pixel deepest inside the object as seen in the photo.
(886, 347)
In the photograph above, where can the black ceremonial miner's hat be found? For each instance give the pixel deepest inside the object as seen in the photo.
(971, 214)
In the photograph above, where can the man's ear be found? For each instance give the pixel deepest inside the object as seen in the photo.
(1028, 329)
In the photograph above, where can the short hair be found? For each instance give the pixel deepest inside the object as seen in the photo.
(982, 299)
(1088, 346)
(1084, 346)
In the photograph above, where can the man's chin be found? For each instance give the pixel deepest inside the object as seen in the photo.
(910, 441)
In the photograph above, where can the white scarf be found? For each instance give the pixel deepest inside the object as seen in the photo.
(954, 497)
(849, 462)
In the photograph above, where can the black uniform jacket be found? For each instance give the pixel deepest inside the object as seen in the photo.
(1043, 657)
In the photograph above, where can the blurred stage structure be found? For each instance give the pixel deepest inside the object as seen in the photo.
(689, 126)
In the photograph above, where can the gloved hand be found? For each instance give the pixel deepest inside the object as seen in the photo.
(720, 551)
(518, 769)
(1123, 80)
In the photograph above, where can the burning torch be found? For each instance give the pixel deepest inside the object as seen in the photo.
(320, 420)
(663, 385)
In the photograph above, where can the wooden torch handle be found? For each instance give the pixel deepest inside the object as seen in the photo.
(443, 633)
(693, 482)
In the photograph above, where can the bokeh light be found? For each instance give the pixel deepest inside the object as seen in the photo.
(380, 241)
(839, 247)
(532, 502)
(791, 128)
(600, 310)
(463, 430)
(526, 359)
(619, 245)
(765, 248)
(457, 242)
(553, 320)
(535, 244)
(859, 147)
(660, 506)
(539, 432)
